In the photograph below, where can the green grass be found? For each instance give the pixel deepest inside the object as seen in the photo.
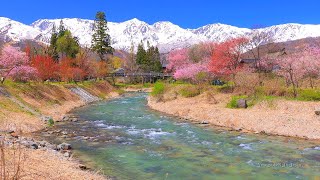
(251, 100)
(308, 95)
(50, 123)
(134, 86)
(120, 91)
(158, 89)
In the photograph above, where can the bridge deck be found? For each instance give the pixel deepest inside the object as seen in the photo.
(139, 74)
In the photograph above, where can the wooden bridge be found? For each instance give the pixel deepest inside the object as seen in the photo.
(147, 75)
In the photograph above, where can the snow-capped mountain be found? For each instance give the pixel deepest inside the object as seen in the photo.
(15, 31)
(165, 35)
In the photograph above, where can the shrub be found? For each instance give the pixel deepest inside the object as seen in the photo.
(226, 88)
(158, 89)
(309, 95)
(50, 122)
(189, 91)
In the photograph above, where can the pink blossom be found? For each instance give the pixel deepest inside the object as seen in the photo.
(15, 64)
(190, 72)
(178, 59)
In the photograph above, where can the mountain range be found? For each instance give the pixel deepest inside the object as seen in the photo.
(166, 35)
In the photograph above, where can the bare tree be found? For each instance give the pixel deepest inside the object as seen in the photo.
(258, 39)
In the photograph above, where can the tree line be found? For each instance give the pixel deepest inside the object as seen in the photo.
(65, 60)
(205, 62)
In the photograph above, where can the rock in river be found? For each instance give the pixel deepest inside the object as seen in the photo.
(64, 146)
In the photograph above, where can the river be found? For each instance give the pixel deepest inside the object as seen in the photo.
(127, 140)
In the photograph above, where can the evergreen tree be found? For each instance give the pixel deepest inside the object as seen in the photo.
(53, 44)
(68, 45)
(157, 66)
(62, 29)
(141, 56)
(149, 61)
(101, 41)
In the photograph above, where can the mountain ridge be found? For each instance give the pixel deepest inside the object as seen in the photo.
(164, 34)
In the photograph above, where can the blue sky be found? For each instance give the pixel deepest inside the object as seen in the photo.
(187, 14)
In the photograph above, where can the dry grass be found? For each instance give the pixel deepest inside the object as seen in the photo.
(12, 117)
(51, 100)
(281, 117)
(21, 163)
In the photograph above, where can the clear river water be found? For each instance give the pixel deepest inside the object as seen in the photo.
(127, 140)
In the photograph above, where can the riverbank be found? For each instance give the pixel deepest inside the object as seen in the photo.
(279, 117)
(26, 108)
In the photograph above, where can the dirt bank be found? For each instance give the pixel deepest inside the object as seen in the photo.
(36, 101)
(279, 117)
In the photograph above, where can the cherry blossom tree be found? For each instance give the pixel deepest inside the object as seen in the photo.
(178, 59)
(15, 64)
(226, 57)
(190, 72)
(311, 64)
(46, 66)
(295, 67)
(187, 63)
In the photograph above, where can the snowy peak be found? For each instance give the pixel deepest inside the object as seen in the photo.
(220, 32)
(292, 31)
(164, 34)
(81, 28)
(17, 31)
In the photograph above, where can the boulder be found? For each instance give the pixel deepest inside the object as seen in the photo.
(64, 146)
(242, 103)
(6, 131)
(34, 146)
(52, 147)
(317, 112)
(43, 143)
(65, 118)
(67, 154)
(83, 167)
(204, 122)
(46, 118)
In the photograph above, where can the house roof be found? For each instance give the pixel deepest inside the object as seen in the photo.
(248, 61)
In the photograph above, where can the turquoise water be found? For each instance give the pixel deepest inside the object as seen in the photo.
(127, 140)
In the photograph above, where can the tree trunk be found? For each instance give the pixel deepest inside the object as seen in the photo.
(311, 82)
(295, 93)
(2, 80)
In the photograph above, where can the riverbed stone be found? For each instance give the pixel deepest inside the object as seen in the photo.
(46, 118)
(74, 119)
(43, 143)
(83, 167)
(67, 154)
(242, 103)
(317, 112)
(204, 122)
(65, 118)
(86, 138)
(64, 146)
(6, 131)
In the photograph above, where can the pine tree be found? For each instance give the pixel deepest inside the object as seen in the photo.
(157, 66)
(68, 45)
(62, 29)
(53, 44)
(149, 60)
(101, 41)
(141, 56)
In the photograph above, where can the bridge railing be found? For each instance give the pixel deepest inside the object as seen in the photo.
(140, 74)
